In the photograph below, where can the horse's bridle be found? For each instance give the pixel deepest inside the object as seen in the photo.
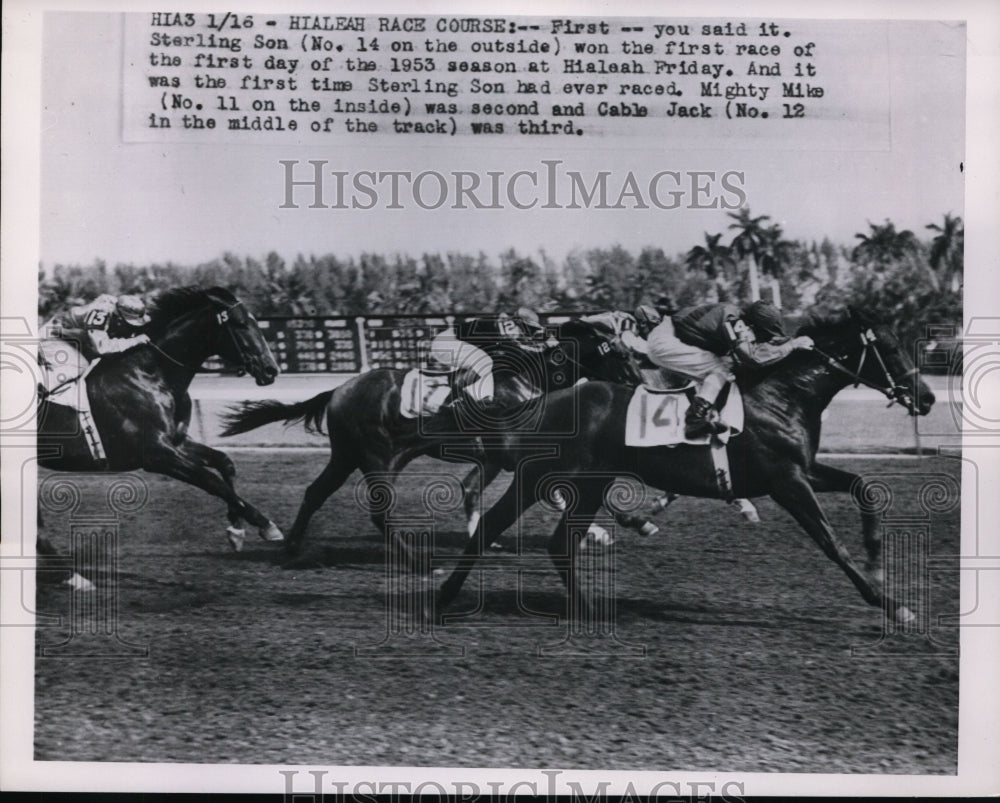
(222, 316)
(894, 390)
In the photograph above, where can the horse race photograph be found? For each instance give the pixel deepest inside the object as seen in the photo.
(533, 401)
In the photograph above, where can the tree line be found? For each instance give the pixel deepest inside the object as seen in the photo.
(907, 280)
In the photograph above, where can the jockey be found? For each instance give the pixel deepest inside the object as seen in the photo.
(459, 346)
(450, 351)
(707, 342)
(631, 329)
(524, 327)
(84, 334)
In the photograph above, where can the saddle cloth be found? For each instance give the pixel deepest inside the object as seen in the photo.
(423, 394)
(656, 417)
(74, 395)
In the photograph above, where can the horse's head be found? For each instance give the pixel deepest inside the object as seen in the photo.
(598, 352)
(239, 339)
(220, 322)
(867, 351)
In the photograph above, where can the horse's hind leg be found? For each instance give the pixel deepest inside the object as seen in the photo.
(565, 540)
(319, 490)
(794, 493)
(473, 485)
(826, 479)
(47, 556)
(632, 521)
(382, 498)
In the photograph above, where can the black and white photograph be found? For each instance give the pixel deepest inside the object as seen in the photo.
(510, 399)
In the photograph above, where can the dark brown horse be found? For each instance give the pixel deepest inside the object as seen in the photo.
(775, 455)
(367, 432)
(141, 407)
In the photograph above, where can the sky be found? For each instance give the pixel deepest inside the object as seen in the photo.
(102, 198)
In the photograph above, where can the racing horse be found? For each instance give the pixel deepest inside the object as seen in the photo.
(367, 432)
(775, 454)
(141, 407)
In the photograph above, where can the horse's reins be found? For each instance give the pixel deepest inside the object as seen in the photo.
(893, 390)
(222, 317)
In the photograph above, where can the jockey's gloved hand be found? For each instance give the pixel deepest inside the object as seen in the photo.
(803, 342)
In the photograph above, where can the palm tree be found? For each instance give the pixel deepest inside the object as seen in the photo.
(715, 260)
(883, 245)
(948, 252)
(749, 244)
(775, 254)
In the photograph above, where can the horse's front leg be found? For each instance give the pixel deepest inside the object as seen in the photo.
(826, 479)
(793, 492)
(498, 518)
(563, 544)
(185, 463)
(220, 462)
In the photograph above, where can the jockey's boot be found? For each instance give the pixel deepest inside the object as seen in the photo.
(702, 419)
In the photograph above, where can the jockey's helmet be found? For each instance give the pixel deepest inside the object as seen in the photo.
(666, 305)
(646, 319)
(132, 310)
(530, 319)
(765, 320)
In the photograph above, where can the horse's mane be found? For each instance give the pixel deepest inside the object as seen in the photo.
(576, 328)
(836, 323)
(171, 304)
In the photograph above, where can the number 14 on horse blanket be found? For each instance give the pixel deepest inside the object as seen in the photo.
(656, 417)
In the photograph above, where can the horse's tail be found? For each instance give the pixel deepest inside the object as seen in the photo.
(250, 415)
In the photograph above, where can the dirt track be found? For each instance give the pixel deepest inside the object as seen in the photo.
(726, 647)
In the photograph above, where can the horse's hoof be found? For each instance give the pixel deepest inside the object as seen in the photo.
(748, 511)
(236, 536)
(598, 536)
(80, 583)
(271, 532)
(904, 615)
(661, 503)
(649, 529)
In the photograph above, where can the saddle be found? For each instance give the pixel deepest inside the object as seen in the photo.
(423, 393)
(75, 396)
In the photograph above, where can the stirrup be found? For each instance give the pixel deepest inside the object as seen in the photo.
(698, 427)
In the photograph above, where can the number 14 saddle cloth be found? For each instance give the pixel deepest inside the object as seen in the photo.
(656, 417)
